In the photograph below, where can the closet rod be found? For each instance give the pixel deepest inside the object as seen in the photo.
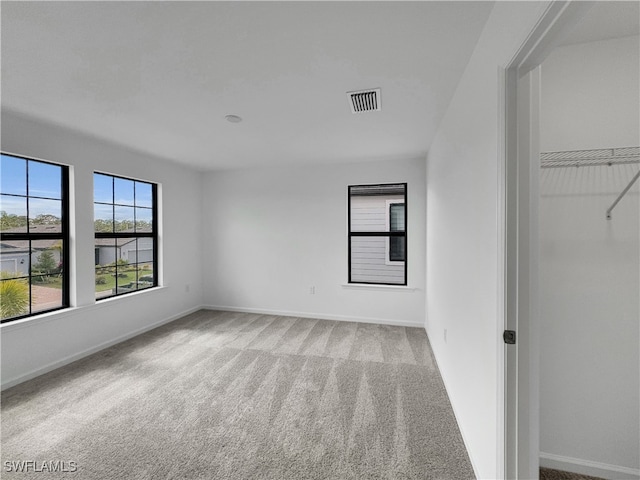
(633, 180)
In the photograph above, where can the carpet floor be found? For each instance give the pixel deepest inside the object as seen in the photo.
(221, 395)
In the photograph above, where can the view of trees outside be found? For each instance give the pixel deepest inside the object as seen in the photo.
(124, 243)
(31, 219)
(31, 275)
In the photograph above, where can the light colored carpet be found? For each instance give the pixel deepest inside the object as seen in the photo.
(220, 395)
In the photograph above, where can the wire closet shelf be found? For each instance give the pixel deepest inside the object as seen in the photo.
(586, 158)
(592, 158)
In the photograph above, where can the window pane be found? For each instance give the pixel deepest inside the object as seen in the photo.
(14, 258)
(124, 219)
(46, 257)
(369, 262)
(105, 282)
(103, 217)
(144, 197)
(145, 251)
(45, 215)
(14, 175)
(144, 220)
(105, 261)
(46, 293)
(127, 248)
(45, 180)
(123, 191)
(105, 253)
(13, 215)
(368, 214)
(127, 274)
(145, 275)
(396, 217)
(127, 280)
(46, 275)
(14, 297)
(102, 188)
(396, 249)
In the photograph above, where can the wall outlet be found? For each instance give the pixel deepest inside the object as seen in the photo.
(445, 335)
(312, 290)
(187, 288)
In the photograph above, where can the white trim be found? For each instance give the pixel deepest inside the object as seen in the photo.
(587, 467)
(65, 312)
(501, 324)
(521, 412)
(89, 351)
(322, 316)
(373, 286)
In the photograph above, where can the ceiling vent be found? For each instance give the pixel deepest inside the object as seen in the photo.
(364, 100)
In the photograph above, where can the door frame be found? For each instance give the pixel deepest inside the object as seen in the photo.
(518, 202)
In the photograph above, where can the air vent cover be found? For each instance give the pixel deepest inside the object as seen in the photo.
(364, 100)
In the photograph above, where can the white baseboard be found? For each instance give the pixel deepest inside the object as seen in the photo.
(89, 351)
(324, 316)
(587, 467)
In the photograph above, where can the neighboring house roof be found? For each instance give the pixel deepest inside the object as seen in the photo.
(391, 189)
(16, 246)
(108, 242)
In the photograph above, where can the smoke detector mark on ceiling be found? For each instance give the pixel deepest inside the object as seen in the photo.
(364, 100)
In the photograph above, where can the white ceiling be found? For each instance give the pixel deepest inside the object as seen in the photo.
(606, 20)
(160, 77)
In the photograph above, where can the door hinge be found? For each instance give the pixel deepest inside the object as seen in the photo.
(509, 337)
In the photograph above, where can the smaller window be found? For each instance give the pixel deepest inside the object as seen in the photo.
(378, 234)
(126, 239)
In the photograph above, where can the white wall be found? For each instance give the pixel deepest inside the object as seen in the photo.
(33, 346)
(590, 266)
(463, 239)
(272, 234)
(590, 96)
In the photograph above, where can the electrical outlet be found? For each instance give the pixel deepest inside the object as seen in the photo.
(445, 335)
(312, 290)
(187, 288)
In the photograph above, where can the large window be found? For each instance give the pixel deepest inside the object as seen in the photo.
(125, 223)
(378, 234)
(34, 237)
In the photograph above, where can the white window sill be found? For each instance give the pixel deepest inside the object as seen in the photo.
(74, 310)
(371, 286)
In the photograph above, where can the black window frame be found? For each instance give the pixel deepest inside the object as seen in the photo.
(63, 235)
(130, 235)
(388, 234)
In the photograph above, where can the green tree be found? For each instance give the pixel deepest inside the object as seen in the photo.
(11, 220)
(103, 225)
(46, 262)
(46, 219)
(14, 297)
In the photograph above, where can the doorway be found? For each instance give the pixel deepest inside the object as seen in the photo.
(522, 242)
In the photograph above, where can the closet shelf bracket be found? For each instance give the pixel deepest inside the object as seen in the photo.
(626, 189)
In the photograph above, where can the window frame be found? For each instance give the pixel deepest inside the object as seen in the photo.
(63, 235)
(388, 234)
(153, 234)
